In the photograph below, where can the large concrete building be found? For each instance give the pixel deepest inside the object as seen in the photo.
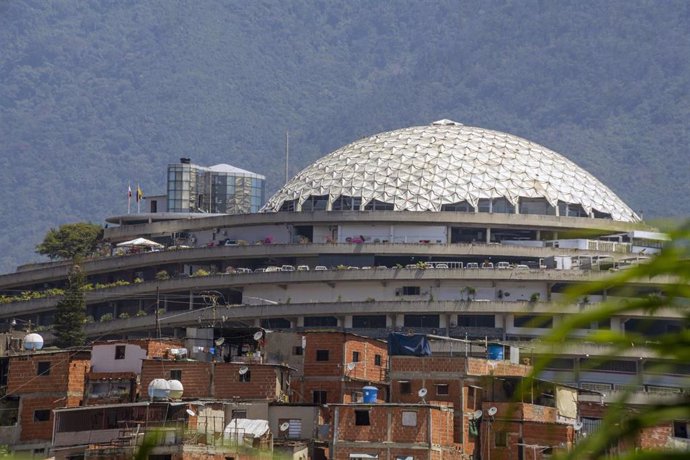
(442, 229)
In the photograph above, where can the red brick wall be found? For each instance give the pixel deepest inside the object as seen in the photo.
(533, 433)
(214, 380)
(263, 383)
(331, 341)
(196, 376)
(37, 431)
(654, 437)
(366, 369)
(478, 366)
(65, 374)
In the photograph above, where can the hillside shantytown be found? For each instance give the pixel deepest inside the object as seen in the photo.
(386, 303)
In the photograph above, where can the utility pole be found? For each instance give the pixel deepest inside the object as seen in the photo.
(158, 318)
(287, 155)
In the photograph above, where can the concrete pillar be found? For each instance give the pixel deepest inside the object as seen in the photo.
(538, 235)
(488, 235)
(191, 300)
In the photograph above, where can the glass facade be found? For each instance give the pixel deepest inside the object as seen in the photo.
(193, 188)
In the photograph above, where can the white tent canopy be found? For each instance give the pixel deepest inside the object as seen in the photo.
(141, 242)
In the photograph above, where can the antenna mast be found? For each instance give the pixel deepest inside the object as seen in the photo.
(287, 154)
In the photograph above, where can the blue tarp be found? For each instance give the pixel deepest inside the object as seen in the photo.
(408, 345)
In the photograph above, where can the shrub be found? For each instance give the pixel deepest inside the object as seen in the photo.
(141, 313)
(201, 272)
(162, 275)
(123, 315)
(105, 318)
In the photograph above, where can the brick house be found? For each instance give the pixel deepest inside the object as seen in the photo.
(389, 431)
(214, 380)
(116, 367)
(335, 365)
(43, 381)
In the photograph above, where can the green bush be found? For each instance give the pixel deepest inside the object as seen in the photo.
(105, 318)
(162, 275)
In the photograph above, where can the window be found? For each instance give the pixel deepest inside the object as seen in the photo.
(476, 321)
(239, 413)
(320, 321)
(405, 387)
(43, 368)
(322, 355)
(176, 374)
(357, 396)
(411, 290)
(362, 418)
(500, 439)
(41, 415)
(369, 321)
(441, 389)
(119, 352)
(680, 429)
(535, 321)
(320, 397)
(377, 360)
(355, 356)
(409, 418)
(421, 321)
(246, 377)
(297, 351)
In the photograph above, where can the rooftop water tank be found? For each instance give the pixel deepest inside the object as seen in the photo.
(159, 389)
(176, 389)
(33, 342)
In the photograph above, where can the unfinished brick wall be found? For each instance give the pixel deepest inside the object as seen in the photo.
(215, 380)
(32, 429)
(196, 376)
(334, 343)
(67, 374)
(366, 368)
(655, 437)
(386, 425)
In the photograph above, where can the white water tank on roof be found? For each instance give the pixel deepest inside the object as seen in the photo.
(33, 342)
(176, 389)
(159, 389)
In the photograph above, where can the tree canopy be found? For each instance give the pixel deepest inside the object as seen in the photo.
(71, 241)
(70, 312)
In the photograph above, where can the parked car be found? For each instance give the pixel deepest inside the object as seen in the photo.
(440, 265)
(259, 270)
(303, 268)
(320, 268)
(488, 265)
(244, 270)
(521, 267)
(503, 265)
(472, 265)
(229, 242)
(287, 268)
(272, 269)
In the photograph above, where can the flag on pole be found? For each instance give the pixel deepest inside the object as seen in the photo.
(140, 195)
(129, 198)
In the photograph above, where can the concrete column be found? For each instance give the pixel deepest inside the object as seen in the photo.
(488, 235)
(538, 235)
(392, 321)
(191, 300)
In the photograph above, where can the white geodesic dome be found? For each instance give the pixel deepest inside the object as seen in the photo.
(424, 168)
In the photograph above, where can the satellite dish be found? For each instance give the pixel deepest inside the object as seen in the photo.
(258, 335)
(284, 426)
(220, 341)
(351, 366)
(577, 426)
(492, 411)
(243, 370)
(478, 414)
(190, 412)
(422, 392)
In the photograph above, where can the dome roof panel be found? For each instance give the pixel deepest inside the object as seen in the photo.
(420, 168)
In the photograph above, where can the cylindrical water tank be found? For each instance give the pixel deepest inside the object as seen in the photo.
(176, 389)
(159, 389)
(33, 342)
(370, 394)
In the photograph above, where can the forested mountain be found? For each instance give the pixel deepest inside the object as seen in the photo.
(98, 93)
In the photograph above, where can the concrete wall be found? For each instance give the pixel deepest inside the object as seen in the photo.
(103, 358)
(393, 233)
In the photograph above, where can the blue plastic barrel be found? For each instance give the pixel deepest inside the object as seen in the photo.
(370, 394)
(495, 352)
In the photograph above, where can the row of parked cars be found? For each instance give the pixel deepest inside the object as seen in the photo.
(422, 266)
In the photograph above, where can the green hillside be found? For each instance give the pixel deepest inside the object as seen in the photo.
(95, 94)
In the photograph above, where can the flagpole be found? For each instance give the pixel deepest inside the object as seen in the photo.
(129, 198)
(138, 199)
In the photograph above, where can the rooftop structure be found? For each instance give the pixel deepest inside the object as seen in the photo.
(447, 166)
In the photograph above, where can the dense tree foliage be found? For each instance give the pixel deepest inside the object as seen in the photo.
(71, 241)
(70, 312)
(668, 352)
(95, 94)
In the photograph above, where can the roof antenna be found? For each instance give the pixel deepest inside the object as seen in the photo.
(287, 154)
